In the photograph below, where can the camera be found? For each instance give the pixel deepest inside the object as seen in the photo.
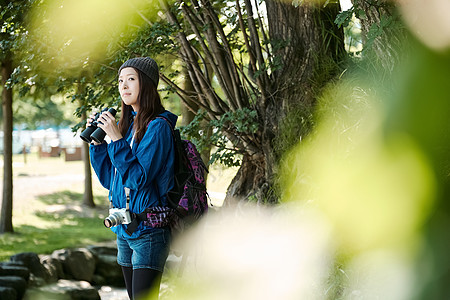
(116, 217)
(93, 132)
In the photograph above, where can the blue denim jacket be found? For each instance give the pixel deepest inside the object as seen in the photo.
(146, 168)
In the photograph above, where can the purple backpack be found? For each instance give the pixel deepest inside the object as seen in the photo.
(188, 199)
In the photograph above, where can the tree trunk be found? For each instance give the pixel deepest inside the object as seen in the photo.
(386, 45)
(7, 98)
(283, 76)
(250, 182)
(311, 56)
(188, 115)
(188, 112)
(88, 197)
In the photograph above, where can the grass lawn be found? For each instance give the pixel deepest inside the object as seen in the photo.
(48, 230)
(48, 213)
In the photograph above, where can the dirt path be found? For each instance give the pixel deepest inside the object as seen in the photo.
(44, 176)
(39, 177)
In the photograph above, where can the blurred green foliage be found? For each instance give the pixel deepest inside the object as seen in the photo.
(420, 108)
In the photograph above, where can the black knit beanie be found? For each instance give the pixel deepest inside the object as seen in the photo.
(144, 64)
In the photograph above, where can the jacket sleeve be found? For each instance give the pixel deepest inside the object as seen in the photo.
(139, 166)
(101, 164)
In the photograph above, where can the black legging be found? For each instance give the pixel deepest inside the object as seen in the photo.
(139, 282)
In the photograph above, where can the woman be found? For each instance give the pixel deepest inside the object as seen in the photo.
(139, 157)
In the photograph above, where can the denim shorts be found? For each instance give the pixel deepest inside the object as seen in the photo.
(150, 250)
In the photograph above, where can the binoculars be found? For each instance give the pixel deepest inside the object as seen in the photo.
(94, 133)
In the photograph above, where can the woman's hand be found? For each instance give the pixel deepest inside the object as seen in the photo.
(90, 119)
(108, 123)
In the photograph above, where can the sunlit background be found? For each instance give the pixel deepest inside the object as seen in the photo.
(359, 193)
(74, 32)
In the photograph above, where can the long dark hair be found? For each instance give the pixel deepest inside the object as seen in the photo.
(149, 107)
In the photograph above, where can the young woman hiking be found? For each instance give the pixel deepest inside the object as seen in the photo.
(140, 159)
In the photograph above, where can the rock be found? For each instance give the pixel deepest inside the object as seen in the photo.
(7, 293)
(61, 256)
(11, 270)
(53, 267)
(98, 280)
(77, 263)
(15, 282)
(102, 250)
(107, 272)
(113, 293)
(12, 263)
(64, 290)
(36, 281)
(108, 269)
(32, 262)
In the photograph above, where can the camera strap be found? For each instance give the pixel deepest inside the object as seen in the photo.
(127, 194)
(127, 190)
(111, 205)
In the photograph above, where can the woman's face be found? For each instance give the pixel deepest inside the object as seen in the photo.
(129, 87)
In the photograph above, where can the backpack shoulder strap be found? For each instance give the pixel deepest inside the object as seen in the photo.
(168, 122)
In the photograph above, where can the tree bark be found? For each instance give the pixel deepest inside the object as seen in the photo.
(308, 61)
(88, 197)
(188, 110)
(7, 98)
(250, 182)
(304, 54)
(386, 45)
(189, 115)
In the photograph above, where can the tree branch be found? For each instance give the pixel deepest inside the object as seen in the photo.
(251, 52)
(180, 93)
(189, 57)
(189, 15)
(263, 32)
(255, 43)
(236, 82)
(250, 83)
